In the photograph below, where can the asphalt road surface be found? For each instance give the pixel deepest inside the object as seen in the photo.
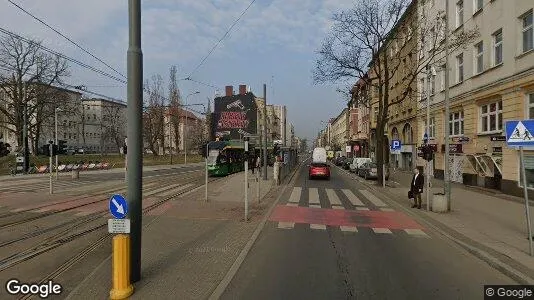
(336, 240)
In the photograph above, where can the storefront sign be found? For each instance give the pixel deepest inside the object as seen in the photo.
(497, 149)
(501, 138)
(453, 148)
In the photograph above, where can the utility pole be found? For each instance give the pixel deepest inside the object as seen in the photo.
(26, 165)
(265, 132)
(135, 136)
(55, 121)
(427, 129)
(446, 177)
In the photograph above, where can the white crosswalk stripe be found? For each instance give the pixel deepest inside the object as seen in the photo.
(352, 198)
(382, 230)
(318, 226)
(315, 206)
(286, 225)
(314, 196)
(374, 199)
(416, 232)
(295, 195)
(348, 228)
(332, 197)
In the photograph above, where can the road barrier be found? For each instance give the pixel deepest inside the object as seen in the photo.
(122, 287)
(288, 160)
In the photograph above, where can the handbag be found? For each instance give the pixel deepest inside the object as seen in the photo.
(410, 194)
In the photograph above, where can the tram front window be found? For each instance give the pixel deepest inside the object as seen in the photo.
(212, 160)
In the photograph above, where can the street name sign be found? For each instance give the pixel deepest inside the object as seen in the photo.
(118, 206)
(119, 225)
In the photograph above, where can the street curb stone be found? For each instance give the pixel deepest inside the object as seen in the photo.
(219, 290)
(482, 255)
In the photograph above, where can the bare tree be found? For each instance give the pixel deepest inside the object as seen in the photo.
(385, 42)
(175, 111)
(153, 118)
(113, 124)
(28, 76)
(195, 135)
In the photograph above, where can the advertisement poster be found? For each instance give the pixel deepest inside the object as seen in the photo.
(235, 116)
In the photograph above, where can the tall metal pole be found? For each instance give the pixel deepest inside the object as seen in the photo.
(265, 132)
(26, 165)
(447, 185)
(185, 133)
(135, 136)
(50, 147)
(246, 179)
(207, 153)
(525, 192)
(428, 135)
(55, 117)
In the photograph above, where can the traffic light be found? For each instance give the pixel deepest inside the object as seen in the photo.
(125, 149)
(62, 147)
(428, 153)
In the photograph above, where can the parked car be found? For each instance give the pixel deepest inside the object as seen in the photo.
(340, 160)
(369, 171)
(318, 169)
(357, 162)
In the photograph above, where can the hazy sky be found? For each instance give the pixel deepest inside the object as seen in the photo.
(274, 43)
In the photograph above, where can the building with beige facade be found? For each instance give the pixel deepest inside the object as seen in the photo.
(491, 82)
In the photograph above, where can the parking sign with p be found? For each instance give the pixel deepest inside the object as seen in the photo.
(395, 145)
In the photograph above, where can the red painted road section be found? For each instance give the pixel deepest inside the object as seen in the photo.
(338, 217)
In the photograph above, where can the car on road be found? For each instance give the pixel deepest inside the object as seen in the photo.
(369, 171)
(319, 169)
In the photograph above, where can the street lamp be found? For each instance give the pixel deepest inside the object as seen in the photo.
(55, 117)
(185, 127)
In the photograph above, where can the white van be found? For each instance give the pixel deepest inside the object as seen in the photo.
(319, 155)
(357, 162)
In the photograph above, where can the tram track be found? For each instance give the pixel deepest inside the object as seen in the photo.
(60, 239)
(42, 215)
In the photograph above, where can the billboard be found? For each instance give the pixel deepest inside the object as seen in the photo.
(234, 116)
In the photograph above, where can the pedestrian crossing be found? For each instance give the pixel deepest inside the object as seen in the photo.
(350, 210)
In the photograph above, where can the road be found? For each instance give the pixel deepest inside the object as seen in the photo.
(336, 240)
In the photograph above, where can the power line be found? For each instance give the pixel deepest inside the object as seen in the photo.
(202, 83)
(220, 40)
(68, 39)
(46, 49)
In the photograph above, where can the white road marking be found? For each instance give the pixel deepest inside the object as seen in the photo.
(387, 209)
(314, 196)
(286, 225)
(373, 198)
(337, 207)
(416, 232)
(362, 208)
(315, 206)
(352, 198)
(318, 226)
(295, 195)
(348, 228)
(332, 197)
(292, 204)
(382, 230)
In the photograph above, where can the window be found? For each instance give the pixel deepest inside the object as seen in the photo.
(460, 68)
(432, 127)
(479, 57)
(491, 117)
(528, 161)
(477, 5)
(530, 105)
(528, 32)
(459, 13)
(456, 123)
(497, 48)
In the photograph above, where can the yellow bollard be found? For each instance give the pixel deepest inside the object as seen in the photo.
(122, 288)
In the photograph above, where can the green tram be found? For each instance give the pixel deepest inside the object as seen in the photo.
(228, 157)
(225, 158)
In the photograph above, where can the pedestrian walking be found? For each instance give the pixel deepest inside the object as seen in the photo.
(258, 163)
(252, 163)
(416, 188)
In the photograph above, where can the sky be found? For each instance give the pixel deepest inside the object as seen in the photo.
(275, 43)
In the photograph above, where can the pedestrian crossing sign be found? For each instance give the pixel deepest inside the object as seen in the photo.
(519, 133)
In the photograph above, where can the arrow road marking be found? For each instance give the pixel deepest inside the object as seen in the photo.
(120, 209)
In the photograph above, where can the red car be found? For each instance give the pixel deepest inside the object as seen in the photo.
(319, 170)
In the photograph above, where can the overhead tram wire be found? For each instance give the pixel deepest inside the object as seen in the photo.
(46, 49)
(220, 40)
(68, 39)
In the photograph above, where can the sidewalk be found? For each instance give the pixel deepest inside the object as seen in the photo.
(188, 250)
(490, 225)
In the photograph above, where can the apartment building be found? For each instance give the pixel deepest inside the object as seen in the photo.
(281, 113)
(338, 128)
(491, 82)
(102, 126)
(191, 132)
(359, 128)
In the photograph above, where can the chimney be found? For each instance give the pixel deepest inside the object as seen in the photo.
(229, 90)
(242, 89)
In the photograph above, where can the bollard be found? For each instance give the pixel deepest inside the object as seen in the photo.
(121, 288)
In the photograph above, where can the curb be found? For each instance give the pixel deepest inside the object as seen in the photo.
(479, 253)
(219, 290)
